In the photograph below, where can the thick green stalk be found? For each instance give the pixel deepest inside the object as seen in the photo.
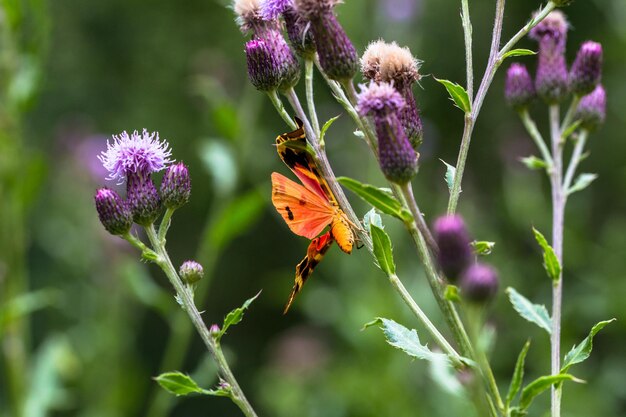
(185, 295)
(278, 105)
(310, 99)
(534, 133)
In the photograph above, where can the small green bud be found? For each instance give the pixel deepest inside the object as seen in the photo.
(191, 272)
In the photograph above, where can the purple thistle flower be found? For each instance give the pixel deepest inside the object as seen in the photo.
(176, 186)
(271, 9)
(551, 81)
(519, 90)
(288, 65)
(113, 212)
(479, 283)
(135, 153)
(263, 68)
(143, 198)
(299, 33)
(586, 71)
(453, 240)
(337, 55)
(397, 158)
(592, 108)
(191, 272)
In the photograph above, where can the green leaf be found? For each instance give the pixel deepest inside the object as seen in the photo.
(534, 163)
(550, 261)
(382, 250)
(359, 134)
(539, 385)
(483, 247)
(218, 157)
(581, 352)
(571, 129)
(582, 182)
(517, 52)
(235, 219)
(378, 198)
(404, 339)
(179, 384)
(235, 316)
(372, 218)
(457, 94)
(450, 173)
(534, 313)
(518, 374)
(327, 125)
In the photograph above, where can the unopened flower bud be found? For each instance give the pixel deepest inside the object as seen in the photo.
(191, 272)
(337, 55)
(397, 158)
(586, 71)
(453, 240)
(263, 69)
(479, 283)
(176, 186)
(592, 108)
(388, 62)
(214, 330)
(113, 212)
(519, 90)
(299, 33)
(143, 198)
(288, 65)
(551, 81)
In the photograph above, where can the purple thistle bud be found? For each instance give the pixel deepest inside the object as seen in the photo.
(176, 186)
(113, 212)
(592, 108)
(551, 81)
(143, 198)
(299, 33)
(288, 66)
(271, 9)
(214, 330)
(479, 283)
(586, 71)
(453, 240)
(397, 158)
(519, 90)
(134, 153)
(337, 55)
(263, 69)
(191, 272)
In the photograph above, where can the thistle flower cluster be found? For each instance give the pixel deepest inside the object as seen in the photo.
(478, 281)
(553, 82)
(133, 159)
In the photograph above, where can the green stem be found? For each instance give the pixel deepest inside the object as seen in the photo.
(185, 295)
(467, 34)
(571, 112)
(278, 105)
(575, 160)
(308, 66)
(407, 192)
(534, 133)
(165, 224)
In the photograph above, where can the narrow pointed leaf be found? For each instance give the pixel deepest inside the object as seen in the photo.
(581, 352)
(517, 52)
(457, 94)
(518, 374)
(534, 313)
(582, 181)
(534, 163)
(326, 126)
(404, 339)
(235, 316)
(550, 261)
(378, 198)
(483, 247)
(539, 385)
(178, 383)
(383, 250)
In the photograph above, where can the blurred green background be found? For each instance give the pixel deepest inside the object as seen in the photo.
(85, 326)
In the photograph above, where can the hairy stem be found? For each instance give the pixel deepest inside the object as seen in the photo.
(467, 35)
(278, 105)
(571, 112)
(558, 213)
(407, 191)
(185, 295)
(165, 224)
(575, 160)
(310, 100)
(534, 133)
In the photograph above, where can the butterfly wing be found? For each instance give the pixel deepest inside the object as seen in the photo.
(305, 212)
(314, 254)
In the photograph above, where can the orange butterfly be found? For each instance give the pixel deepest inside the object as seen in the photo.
(309, 208)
